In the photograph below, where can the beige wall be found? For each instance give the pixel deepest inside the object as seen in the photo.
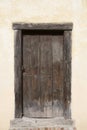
(44, 11)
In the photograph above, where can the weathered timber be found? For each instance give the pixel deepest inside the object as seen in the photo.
(31, 77)
(67, 73)
(43, 88)
(43, 75)
(37, 77)
(57, 47)
(18, 75)
(43, 26)
(46, 74)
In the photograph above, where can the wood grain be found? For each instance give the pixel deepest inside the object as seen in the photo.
(31, 86)
(43, 71)
(43, 26)
(46, 74)
(67, 74)
(57, 46)
(18, 75)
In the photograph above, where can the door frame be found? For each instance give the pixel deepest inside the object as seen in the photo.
(18, 28)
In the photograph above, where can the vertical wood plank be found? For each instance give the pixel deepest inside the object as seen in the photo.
(18, 78)
(46, 55)
(46, 75)
(67, 74)
(31, 76)
(31, 54)
(57, 46)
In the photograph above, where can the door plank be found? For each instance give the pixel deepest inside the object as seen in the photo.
(57, 46)
(31, 54)
(46, 55)
(46, 75)
(31, 96)
(31, 66)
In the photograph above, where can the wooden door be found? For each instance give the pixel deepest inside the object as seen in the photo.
(42, 75)
(42, 69)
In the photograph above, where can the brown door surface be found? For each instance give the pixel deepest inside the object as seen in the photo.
(42, 75)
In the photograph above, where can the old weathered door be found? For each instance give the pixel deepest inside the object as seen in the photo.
(42, 73)
(42, 70)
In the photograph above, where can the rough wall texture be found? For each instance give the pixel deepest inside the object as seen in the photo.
(44, 11)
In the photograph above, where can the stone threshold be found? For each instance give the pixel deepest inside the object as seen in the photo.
(42, 124)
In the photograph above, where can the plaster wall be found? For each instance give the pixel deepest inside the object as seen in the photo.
(34, 11)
